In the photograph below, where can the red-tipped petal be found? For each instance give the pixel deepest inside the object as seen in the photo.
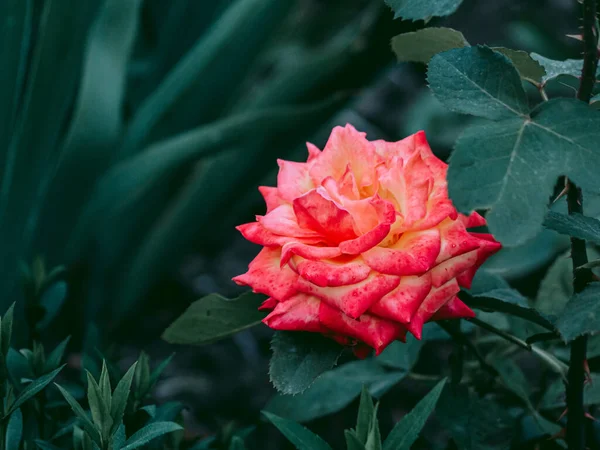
(308, 251)
(454, 309)
(413, 254)
(331, 272)
(455, 240)
(321, 215)
(453, 267)
(373, 331)
(402, 303)
(269, 303)
(282, 221)
(437, 298)
(299, 313)
(473, 220)
(354, 299)
(267, 277)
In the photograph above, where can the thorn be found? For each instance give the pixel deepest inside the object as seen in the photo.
(560, 435)
(562, 193)
(589, 416)
(563, 414)
(588, 374)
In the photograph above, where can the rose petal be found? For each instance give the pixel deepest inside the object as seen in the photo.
(437, 298)
(282, 221)
(299, 313)
(313, 151)
(413, 254)
(265, 276)
(293, 179)
(269, 303)
(473, 220)
(353, 299)
(307, 251)
(454, 309)
(271, 196)
(256, 233)
(331, 272)
(402, 303)
(455, 240)
(373, 331)
(487, 247)
(451, 268)
(386, 214)
(321, 215)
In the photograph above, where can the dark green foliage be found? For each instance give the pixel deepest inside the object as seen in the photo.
(300, 358)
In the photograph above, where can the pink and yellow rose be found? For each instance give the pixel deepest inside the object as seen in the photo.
(362, 244)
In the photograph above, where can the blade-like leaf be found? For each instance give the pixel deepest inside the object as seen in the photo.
(100, 410)
(581, 314)
(366, 414)
(6, 329)
(422, 10)
(214, 317)
(300, 358)
(301, 437)
(32, 389)
(120, 396)
(104, 384)
(374, 436)
(422, 45)
(119, 438)
(150, 432)
(14, 431)
(142, 375)
(406, 432)
(352, 441)
(157, 372)
(88, 425)
(55, 357)
(491, 167)
(478, 81)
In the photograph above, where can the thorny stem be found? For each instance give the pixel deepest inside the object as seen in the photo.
(576, 375)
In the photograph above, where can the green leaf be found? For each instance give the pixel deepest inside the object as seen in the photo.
(528, 68)
(104, 384)
(422, 45)
(366, 414)
(55, 357)
(120, 396)
(474, 423)
(493, 164)
(52, 300)
(142, 375)
(352, 441)
(575, 225)
(14, 431)
(100, 410)
(150, 432)
(422, 10)
(43, 445)
(301, 437)
(214, 317)
(157, 372)
(237, 443)
(6, 329)
(555, 69)
(556, 287)
(478, 81)
(300, 358)
(406, 432)
(399, 355)
(32, 389)
(581, 315)
(88, 425)
(514, 379)
(374, 436)
(334, 390)
(234, 28)
(119, 438)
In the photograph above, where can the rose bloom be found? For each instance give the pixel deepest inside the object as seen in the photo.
(362, 244)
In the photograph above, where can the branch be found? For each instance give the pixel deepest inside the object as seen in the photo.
(590, 51)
